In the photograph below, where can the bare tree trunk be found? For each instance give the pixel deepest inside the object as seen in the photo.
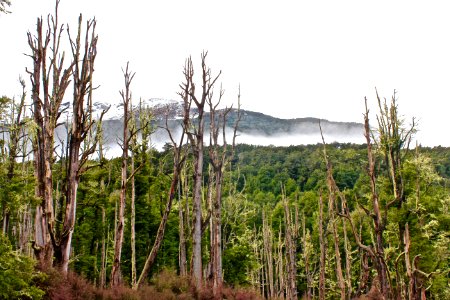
(256, 278)
(364, 273)
(332, 212)
(217, 237)
(185, 222)
(195, 134)
(219, 159)
(280, 278)
(133, 221)
(291, 269)
(197, 213)
(306, 253)
(409, 270)
(268, 254)
(210, 198)
(378, 254)
(102, 281)
(182, 246)
(348, 261)
(43, 140)
(118, 237)
(393, 138)
(105, 229)
(81, 129)
(337, 254)
(377, 219)
(323, 249)
(259, 255)
(46, 112)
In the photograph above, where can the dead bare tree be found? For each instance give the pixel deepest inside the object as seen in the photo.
(127, 136)
(380, 262)
(103, 188)
(134, 146)
(393, 143)
(393, 138)
(46, 110)
(348, 259)
(291, 269)
(332, 212)
(183, 214)
(416, 277)
(182, 257)
(82, 126)
(306, 257)
(195, 134)
(49, 81)
(376, 253)
(267, 255)
(220, 157)
(323, 250)
(280, 266)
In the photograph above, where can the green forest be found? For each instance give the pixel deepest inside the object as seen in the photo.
(207, 217)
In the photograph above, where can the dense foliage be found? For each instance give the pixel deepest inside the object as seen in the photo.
(18, 278)
(253, 195)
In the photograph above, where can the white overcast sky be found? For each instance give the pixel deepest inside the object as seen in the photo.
(292, 58)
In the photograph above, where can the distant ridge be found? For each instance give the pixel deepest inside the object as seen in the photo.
(254, 128)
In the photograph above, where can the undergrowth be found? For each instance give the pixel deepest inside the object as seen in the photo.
(166, 285)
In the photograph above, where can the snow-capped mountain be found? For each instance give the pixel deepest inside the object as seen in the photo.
(254, 128)
(158, 106)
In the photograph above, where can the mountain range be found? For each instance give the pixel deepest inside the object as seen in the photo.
(254, 128)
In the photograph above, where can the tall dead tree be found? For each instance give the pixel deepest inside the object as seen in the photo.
(267, 256)
(84, 55)
(220, 156)
(104, 183)
(195, 132)
(133, 224)
(375, 252)
(332, 212)
(49, 81)
(323, 250)
(127, 136)
(348, 259)
(290, 234)
(393, 143)
(393, 138)
(307, 248)
(280, 266)
(183, 215)
(379, 225)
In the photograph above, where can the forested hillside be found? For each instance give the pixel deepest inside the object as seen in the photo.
(259, 185)
(208, 216)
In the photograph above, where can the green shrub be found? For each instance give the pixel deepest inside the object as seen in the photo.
(17, 274)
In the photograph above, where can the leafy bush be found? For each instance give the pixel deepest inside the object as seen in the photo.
(17, 274)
